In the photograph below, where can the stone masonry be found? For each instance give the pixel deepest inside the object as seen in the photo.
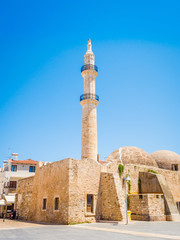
(147, 207)
(112, 197)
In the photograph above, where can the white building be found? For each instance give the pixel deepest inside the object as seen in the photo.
(12, 171)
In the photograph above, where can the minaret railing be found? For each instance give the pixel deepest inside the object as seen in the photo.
(89, 96)
(89, 67)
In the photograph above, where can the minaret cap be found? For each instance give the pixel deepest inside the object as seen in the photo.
(89, 47)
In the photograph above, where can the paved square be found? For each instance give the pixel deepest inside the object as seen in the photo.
(104, 231)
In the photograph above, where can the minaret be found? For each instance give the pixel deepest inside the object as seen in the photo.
(89, 101)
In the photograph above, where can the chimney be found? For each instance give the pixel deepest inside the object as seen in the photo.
(15, 156)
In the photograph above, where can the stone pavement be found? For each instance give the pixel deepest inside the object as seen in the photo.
(11, 224)
(104, 231)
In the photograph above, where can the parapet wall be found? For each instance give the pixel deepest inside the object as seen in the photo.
(147, 207)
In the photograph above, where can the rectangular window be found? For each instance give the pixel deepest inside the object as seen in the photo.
(9, 209)
(140, 196)
(44, 204)
(14, 168)
(90, 203)
(56, 203)
(174, 167)
(12, 184)
(32, 169)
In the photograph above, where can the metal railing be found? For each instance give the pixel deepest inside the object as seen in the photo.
(89, 67)
(89, 96)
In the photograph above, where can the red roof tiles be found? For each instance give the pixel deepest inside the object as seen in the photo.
(101, 161)
(27, 161)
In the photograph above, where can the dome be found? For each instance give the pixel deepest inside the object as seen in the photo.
(166, 159)
(131, 155)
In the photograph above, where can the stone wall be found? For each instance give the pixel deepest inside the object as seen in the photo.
(147, 207)
(70, 180)
(156, 183)
(50, 181)
(112, 197)
(172, 177)
(84, 178)
(23, 197)
(149, 183)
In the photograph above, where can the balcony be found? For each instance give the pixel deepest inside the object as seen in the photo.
(89, 67)
(89, 96)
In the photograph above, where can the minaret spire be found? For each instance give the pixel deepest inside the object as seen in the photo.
(89, 101)
(89, 47)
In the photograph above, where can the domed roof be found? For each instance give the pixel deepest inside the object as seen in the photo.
(165, 159)
(131, 155)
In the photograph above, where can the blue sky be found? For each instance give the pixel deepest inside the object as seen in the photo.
(42, 45)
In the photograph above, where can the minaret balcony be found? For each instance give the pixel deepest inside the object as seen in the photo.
(89, 96)
(89, 67)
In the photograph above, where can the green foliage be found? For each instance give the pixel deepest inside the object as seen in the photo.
(152, 171)
(139, 185)
(128, 200)
(129, 186)
(121, 169)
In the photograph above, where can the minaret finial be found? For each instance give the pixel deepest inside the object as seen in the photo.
(89, 46)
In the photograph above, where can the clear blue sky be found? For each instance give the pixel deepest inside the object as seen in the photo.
(42, 45)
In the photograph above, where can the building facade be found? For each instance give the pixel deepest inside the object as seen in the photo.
(87, 190)
(12, 171)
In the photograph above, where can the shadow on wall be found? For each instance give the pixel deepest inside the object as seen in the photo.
(156, 183)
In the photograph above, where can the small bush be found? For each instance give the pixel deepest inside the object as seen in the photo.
(121, 169)
(152, 171)
(128, 201)
(129, 186)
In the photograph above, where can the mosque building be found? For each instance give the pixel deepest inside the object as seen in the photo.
(88, 190)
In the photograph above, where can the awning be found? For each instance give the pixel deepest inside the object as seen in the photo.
(9, 199)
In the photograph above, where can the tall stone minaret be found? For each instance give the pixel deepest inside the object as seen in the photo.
(89, 101)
